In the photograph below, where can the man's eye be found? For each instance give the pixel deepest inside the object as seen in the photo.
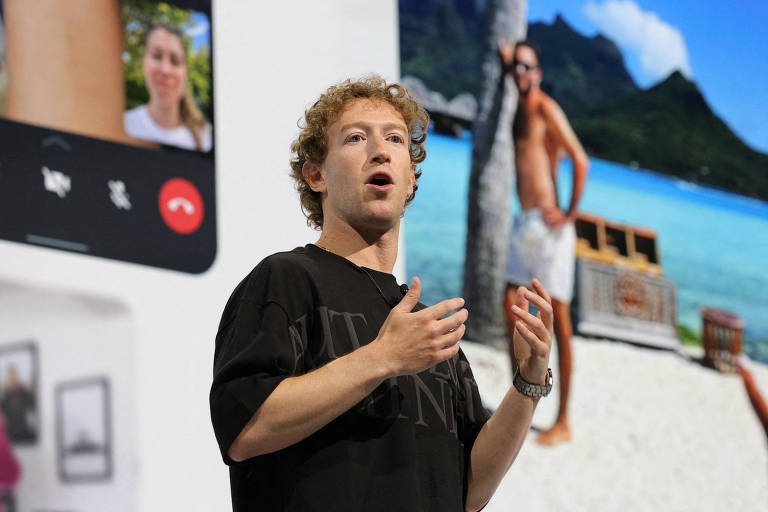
(396, 139)
(354, 138)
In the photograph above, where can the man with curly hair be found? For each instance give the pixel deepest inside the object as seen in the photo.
(334, 388)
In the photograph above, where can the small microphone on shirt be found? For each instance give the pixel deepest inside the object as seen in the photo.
(394, 301)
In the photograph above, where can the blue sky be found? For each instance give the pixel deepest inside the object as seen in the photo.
(199, 30)
(722, 46)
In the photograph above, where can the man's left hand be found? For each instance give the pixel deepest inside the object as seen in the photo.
(533, 334)
(553, 216)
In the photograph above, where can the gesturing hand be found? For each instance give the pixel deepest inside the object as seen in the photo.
(533, 334)
(411, 342)
(553, 216)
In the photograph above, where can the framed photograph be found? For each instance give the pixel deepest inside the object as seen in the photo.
(19, 391)
(83, 430)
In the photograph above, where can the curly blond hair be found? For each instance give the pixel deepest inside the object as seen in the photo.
(312, 143)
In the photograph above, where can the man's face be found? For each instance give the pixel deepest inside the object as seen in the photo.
(367, 173)
(525, 69)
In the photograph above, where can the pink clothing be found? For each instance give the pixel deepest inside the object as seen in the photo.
(10, 470)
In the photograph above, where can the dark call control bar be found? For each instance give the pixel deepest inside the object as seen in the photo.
(89, 196)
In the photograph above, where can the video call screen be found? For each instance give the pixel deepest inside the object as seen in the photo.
(107, 129)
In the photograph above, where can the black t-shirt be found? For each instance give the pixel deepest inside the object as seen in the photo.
(18, 406)
(405, 447)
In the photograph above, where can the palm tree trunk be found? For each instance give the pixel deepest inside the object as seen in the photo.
(491, 181)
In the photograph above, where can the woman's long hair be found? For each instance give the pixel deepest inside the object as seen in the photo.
(192, 117)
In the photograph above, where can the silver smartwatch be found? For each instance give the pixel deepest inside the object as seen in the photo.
(532, 390)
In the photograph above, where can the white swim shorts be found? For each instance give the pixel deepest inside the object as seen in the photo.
(547, 254)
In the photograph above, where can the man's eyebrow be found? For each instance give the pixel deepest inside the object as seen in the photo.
(388, 125)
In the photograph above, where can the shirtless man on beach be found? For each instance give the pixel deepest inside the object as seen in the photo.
(543, 237)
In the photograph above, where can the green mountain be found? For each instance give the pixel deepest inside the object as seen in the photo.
(442, 43)
(579, 72)
(670, 128)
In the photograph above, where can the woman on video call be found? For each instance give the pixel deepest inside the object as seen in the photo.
(171, 117)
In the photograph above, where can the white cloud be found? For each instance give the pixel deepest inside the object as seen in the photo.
(659, 46)
(200, 28)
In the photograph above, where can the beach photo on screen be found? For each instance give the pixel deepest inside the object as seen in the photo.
(667, 371)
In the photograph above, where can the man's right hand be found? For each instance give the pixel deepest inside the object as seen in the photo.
(411, 342)
(506, 53)
(553, 216)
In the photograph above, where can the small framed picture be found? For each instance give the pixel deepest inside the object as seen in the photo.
(84, 430)
(19, 391)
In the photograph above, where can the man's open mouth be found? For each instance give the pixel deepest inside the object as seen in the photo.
(380, 181)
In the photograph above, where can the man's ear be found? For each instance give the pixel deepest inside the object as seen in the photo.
(313, 175)
(411, 179)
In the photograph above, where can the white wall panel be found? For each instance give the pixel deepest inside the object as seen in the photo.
(271, 60)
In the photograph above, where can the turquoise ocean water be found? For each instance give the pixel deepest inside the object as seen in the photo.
(714, 245)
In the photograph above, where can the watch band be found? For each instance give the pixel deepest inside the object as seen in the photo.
(532, 390)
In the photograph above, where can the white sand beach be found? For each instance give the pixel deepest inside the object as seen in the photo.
(652, 430)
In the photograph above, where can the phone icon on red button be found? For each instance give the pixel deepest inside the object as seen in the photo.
(183, 203)
(181, 206)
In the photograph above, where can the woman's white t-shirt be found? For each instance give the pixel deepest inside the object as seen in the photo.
(138, 123)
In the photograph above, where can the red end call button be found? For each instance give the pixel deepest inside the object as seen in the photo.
(181, 206)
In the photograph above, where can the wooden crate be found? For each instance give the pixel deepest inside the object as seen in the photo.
(621, 302)
(722, 335)
(610, 242)
(620, 290)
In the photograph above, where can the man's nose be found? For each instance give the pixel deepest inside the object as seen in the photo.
(379, 152)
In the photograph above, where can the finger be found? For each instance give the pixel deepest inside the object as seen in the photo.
(447, 352)
(520, 300)
(544, 307)
(533, 323)
(452, 338)
(543, 293)
(411, 298)
(537, 300)
(442, 308)
(538, 347)
(452, 322)
(541, 290)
